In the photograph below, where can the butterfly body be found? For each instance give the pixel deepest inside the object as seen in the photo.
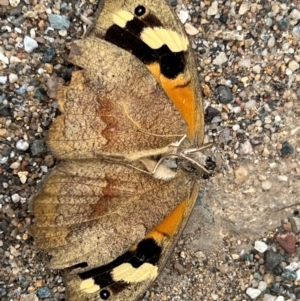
(100, 214)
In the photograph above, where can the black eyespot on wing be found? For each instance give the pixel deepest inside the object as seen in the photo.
(104, 294)
(148, 251)
(140, 10)
(171, 63)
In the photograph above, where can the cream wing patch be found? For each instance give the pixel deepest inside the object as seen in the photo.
(89, 286)
(154, 37)
(157, 37)
(121, 17)
(127, 273)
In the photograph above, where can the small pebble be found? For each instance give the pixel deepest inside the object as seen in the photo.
(246, 148)
(213, 9)
(286, 149)
(241, 175)
(59, 22)
(12, 78)
(224, 268)
(295, 14)
(220, 59)
(183, 16)
(268, 297)
(253, 292)
(3, 79)
(30, 44)
(293, 65)
(287, 241)
(14, 3)
(272, 259)
(224, 94)
(15, 198)
(245, 6)
(49, 55)
(44, 292)
(22, 145)
(283, 23)
(295, 224)
(23, 176)
(266, 185)
(260, 246)
(289, 275)
(262, 286)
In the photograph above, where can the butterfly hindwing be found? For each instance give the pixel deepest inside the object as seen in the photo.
(129, 275)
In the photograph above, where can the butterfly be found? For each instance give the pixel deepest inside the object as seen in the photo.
(112, 210)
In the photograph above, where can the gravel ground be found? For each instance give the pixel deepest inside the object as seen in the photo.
(241, 242)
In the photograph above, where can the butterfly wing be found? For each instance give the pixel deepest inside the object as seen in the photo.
(113, 106)
(129, 275)
(150, 31)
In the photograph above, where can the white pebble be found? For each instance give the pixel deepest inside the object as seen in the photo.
(262, 286)
(266, 185)
(288, 71)
(282, 178)
(245, 6)
(293, 65)
(246, 63)
(63, 32)
(271, 42)
(32, 33)
(213, 9)
(15, 198)
(40, 71)
(268, 119)
(293, 266)
(18, 30)
(183, 16)
(256, 69)
(15, 165)
(12, 78)
(14, 3)
(253, 292)
(14, 60)
(279, 298)
(190, 29)
(298, 275)
(44, 168)
(236, 127)
(30, 44)
(268, 297)
(22, 145)
(4, 59)
(23, 176)
(246, 148)
(295, 14)
(3, 80)
(220, 59)
(250, 104)
(260, 246)
(277, 118)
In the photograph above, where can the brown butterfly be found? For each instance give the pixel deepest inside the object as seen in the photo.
(113, 208)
